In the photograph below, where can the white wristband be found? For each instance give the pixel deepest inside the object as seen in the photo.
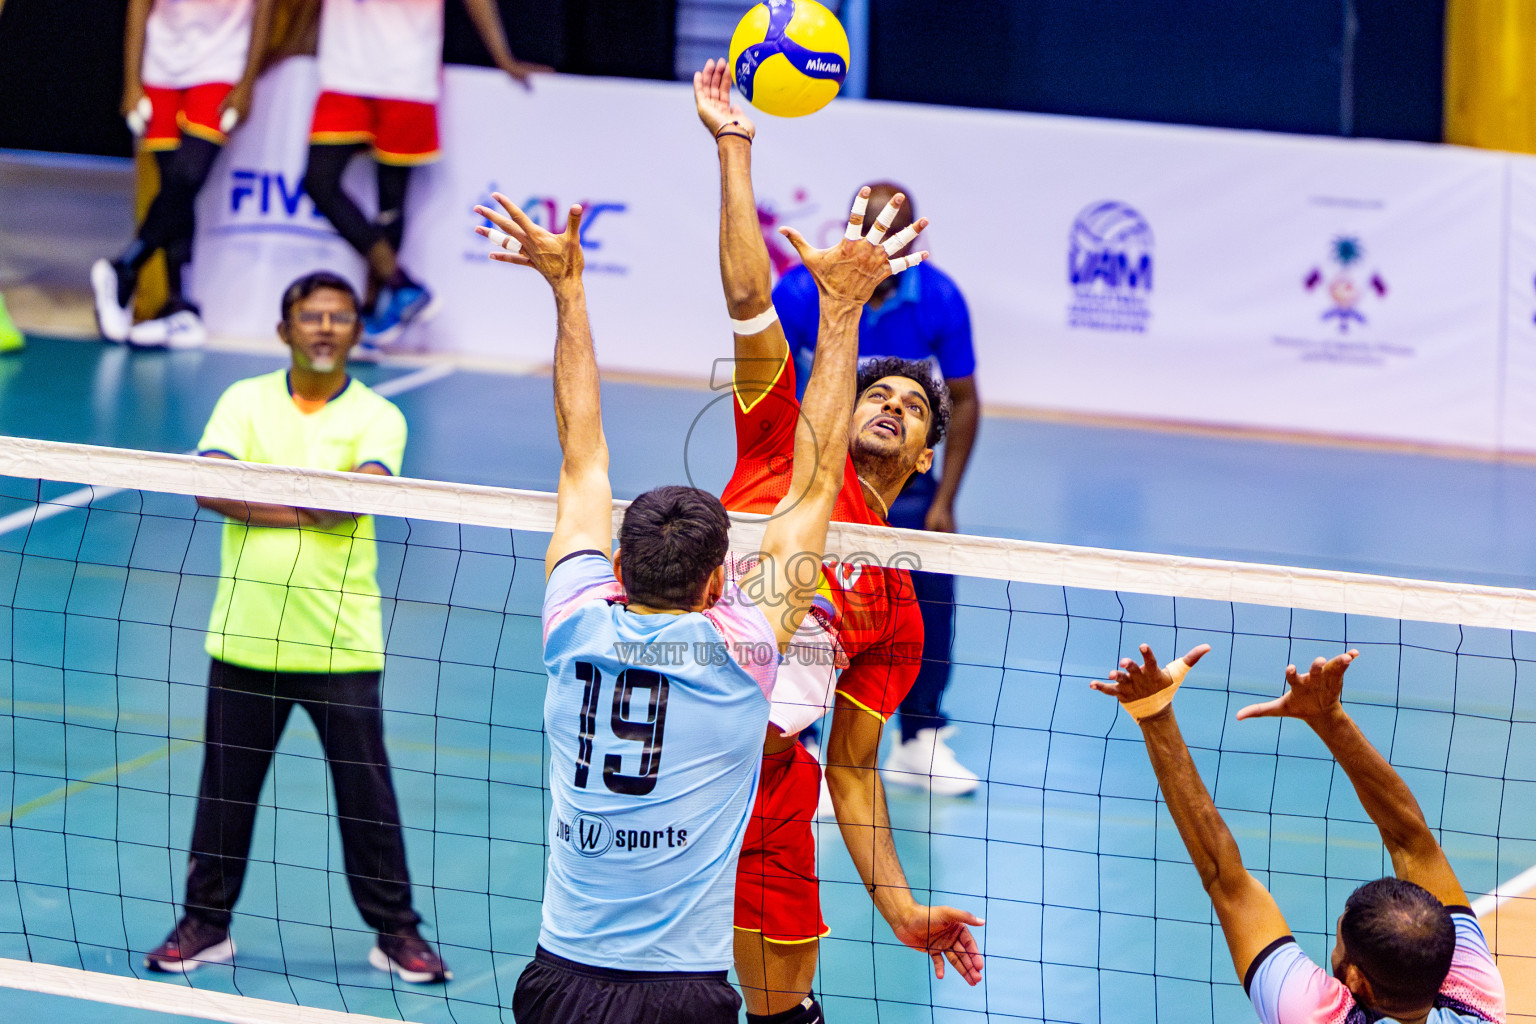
(756, 325)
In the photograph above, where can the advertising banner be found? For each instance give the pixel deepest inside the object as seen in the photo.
(1238, 279)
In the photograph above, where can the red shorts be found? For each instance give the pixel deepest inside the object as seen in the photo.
(401, 132)
(194, 111)
(776, 886)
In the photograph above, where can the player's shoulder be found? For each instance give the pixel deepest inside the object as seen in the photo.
(937, 283)
(795, 284)
(252, 390)
(363, 401)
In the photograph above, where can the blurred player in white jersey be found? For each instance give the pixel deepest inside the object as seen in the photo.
(188, 70)
(381, 64)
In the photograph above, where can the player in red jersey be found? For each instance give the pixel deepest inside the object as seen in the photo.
(867, 623)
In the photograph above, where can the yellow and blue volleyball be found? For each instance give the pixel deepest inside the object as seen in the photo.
(789, 57)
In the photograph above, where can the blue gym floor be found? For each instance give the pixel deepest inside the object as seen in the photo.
(1092, 908)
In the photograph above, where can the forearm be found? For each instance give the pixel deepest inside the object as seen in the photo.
(1382, 792)
(578, 403)
(821, 437)
(859, 799)
(133, 45)
(261, 32)
(255, 513)
(744, 267)
(1210, 844)
(487, 22)
(964, 419)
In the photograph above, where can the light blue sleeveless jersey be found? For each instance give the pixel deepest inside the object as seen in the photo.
(655, 726)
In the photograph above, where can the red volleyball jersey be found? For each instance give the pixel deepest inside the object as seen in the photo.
(870, 611)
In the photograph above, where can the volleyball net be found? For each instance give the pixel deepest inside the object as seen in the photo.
(108, 572)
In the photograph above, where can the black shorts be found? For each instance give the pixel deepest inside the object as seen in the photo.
(554, 990)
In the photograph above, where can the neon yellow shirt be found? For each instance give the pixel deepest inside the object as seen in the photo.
(301, 600)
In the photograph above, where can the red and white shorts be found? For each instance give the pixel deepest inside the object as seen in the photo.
(194, 110)
(401, 132)
(777, 891)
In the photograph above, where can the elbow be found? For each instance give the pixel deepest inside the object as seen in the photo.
(747, 299)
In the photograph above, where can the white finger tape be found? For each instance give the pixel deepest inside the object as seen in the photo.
(138, 117)
(228, 120)
(503, 240)
(856, 218)
(900, 240)
(757, 325)
(897, 266)
(882, 223)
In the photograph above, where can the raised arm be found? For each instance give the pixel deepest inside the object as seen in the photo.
(487, 20)
(584, 516)
(745, 270)
(796, 536)
(1249, 916)
(1315, 699)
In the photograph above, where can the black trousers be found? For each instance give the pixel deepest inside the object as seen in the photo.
(554, 990)
(247, 711)
(936, 601)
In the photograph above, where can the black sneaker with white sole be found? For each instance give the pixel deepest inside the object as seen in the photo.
(410, 956)
(191, 945)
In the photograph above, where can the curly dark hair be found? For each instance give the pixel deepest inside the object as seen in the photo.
(921, 371)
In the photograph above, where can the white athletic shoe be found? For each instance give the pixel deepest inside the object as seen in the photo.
(115, 321)
(182, 329)
(926, 762)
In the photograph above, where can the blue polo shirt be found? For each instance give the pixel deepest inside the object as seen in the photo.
(925, 317)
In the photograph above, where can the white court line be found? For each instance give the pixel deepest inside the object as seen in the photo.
(85, 495)
(1521, 885)
(164, 997)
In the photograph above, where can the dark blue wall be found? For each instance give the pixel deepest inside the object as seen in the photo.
(1271, 64)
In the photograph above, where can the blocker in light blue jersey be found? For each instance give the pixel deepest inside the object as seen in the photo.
(655, 727)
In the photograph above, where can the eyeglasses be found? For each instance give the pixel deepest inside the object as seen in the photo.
(310, 318)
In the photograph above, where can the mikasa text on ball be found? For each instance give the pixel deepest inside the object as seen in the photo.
(789, 57)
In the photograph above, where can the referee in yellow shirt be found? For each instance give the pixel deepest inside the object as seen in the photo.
(297, 622)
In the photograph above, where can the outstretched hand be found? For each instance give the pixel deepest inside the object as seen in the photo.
(942, 933)
(519, 240)
(712, 95)
(1132, 683)
(850, 270)
(1308, 697)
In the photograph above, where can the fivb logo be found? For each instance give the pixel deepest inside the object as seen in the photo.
(590, 834)
(262, 200)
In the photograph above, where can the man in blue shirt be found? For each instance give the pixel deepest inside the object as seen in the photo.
(918, 315)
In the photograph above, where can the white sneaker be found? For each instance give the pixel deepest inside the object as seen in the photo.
(182, 329)
(115, 321)
(926, 762)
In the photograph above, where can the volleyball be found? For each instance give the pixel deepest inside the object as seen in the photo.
(789, 57)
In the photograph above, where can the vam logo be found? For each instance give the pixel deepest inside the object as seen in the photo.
(550, 213)
(1109, 266)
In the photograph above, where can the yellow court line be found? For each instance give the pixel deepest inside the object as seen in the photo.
(106, 775)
